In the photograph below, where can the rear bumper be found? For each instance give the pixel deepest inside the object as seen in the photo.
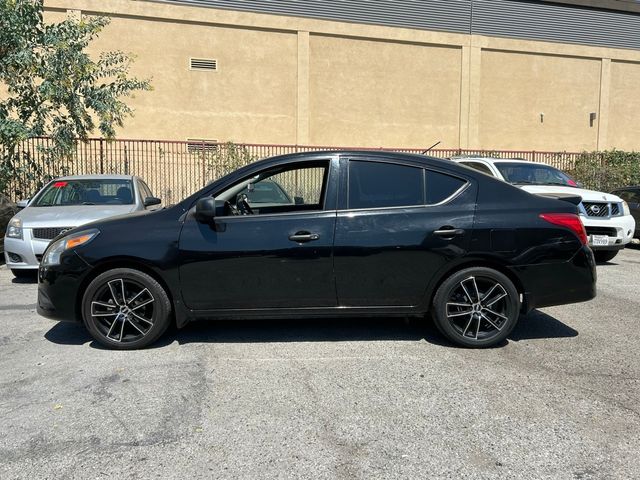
(559, 283)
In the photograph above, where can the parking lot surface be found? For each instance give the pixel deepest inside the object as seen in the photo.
(327, 398)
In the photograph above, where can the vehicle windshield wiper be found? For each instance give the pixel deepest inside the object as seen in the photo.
(88, 203)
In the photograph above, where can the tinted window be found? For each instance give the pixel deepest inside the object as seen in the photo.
(480, 167)
(373, 185)
(441, 186)
(86, 192)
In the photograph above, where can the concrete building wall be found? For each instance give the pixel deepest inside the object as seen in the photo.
(285, 79)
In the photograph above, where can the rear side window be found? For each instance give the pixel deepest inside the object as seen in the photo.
(441, 186)
(376, 185)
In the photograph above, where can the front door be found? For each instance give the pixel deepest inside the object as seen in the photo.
(270, 245)
(399, 226)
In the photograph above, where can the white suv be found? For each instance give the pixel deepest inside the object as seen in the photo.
(606, 217)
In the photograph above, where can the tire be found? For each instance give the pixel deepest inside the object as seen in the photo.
(137, 303)
(466, 311)
(603, 256)
(24, 274)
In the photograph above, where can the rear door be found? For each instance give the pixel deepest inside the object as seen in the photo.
(397, 225)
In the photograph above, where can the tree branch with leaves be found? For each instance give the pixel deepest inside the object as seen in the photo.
(54, 87)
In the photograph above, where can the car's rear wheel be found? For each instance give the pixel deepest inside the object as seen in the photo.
(126, 309)
(602, 256)
(476, 307)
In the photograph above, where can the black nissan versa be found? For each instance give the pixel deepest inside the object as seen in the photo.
(357, 234)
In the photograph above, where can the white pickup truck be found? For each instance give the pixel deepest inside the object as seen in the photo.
(606, 217)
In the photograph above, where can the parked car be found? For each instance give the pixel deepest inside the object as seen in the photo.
(631, 195)
(64, 204)
(606, 217)
(7, 210)
(373, 234)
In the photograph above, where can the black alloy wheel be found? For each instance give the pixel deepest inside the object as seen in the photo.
(126, 309)
(476, 307)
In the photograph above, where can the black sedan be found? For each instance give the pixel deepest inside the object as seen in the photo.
(369, 234)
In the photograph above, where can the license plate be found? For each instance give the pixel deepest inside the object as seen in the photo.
(599, 240)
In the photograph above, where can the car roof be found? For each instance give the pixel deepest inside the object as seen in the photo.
(371, 154)
(96, 177)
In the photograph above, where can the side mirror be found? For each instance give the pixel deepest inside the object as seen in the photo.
(151, 201)
(298, 200)
(206, 209)
(22, 203)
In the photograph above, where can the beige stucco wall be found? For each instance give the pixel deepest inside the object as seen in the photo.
(624, 107)
(368, 93)
(540, 101)
(305, 81)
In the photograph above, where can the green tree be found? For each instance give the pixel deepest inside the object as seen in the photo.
(49, 85)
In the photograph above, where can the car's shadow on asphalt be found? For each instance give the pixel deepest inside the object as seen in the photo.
(536, 325)
(27, 280)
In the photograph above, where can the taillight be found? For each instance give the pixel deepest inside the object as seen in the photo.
(567, 220)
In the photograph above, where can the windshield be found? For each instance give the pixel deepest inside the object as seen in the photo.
(108, 191)
(534, 174)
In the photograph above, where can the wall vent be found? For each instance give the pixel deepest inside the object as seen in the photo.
(199, 145)
(203, 64)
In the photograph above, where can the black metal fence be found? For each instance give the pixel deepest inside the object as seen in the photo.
(176, 169)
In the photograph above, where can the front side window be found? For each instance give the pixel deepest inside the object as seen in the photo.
(378, 185)
(145, 190)
(534, 174)
(278, 190)
(86, 192)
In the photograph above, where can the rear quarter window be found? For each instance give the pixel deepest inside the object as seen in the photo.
(441, 186)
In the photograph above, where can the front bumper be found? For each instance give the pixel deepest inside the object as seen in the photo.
(27, 250)
(551, 284)
(618, 230)
(58, 288)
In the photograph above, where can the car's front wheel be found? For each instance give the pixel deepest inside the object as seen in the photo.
(476, 307)
(126, 309)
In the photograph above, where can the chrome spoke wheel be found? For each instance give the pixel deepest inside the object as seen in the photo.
(478, 308)
(123, 310)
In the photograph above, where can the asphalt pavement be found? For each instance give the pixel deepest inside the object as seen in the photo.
(315, 399)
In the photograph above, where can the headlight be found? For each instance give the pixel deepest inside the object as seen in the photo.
(625, 208)
(54, 251)
(14, 229)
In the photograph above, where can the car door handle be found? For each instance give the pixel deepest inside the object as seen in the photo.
(449, 232)
(302, 237)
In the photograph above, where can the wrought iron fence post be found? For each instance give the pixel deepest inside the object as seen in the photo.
(204, 167)
(101, 156)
